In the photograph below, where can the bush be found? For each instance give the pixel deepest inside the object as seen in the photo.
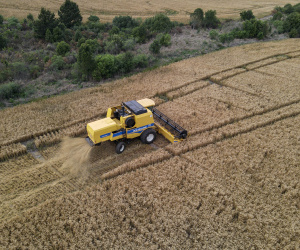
(164, 39)
(292, 22)
(226, 38)
(62, 48)
(58, 34)
(30, 17)
(58, 63)
(129, 44)
(10, 90)
(140, 61)
(288, 9)
(114, 44)
(247, 15)
(213, 34)
(77, 35)
(19, 70)
(155, 47)
(279, 26)
(3, 42)
(93, 19)
(254, 27)
(69, 14)
(293, 33)
(210, 20)
(140, 33)
(80, 42)
(159, 23)
(13, 23)
(105, 66)
(1, 19)
(124, 62)
(277, 16)
(125, 22)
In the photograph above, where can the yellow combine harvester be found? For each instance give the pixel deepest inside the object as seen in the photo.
(133, 119)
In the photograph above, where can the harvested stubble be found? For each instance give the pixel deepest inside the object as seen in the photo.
(25, 180)
(238, 193)
(12, 150)
(34, 197)
(35, 119)
(145, 160)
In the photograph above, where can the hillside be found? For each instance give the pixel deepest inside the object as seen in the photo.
(178, 10)
(232, 184)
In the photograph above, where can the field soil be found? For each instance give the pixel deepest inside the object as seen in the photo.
(177, 10)
(233, 183)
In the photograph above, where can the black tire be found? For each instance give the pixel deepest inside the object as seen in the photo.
(130, 122)
(148, 136)
(120, 147)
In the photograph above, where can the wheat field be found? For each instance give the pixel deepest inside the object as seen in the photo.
(177, 10)
(234, 183)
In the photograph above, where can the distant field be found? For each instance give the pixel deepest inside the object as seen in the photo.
(233, 184)
(108, 9)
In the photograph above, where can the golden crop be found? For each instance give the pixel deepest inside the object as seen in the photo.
(232, 184)
(177, 10)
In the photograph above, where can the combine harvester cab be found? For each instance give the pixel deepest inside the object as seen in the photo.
(130, 120)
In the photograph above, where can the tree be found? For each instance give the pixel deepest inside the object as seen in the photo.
(140, 33)
(105, 66)
(86, 60)
(247, 15)
(197, 18)
(210, 20)
(48, 36)
(159, 23)
(123, 22)
(46, 20)
(1, 19)
(69, 14)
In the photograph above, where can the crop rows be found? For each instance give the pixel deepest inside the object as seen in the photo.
(64, 111)
(11, 150)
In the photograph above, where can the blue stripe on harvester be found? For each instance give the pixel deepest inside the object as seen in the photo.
(119, 133)
(140, 129)
(105, 135)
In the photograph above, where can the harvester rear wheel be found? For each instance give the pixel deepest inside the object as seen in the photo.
(120, 147)
(148, 136)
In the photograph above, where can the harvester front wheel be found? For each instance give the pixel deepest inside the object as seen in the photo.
(148, 136)
(120, 147)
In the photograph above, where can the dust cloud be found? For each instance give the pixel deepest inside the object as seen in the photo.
(74, 154)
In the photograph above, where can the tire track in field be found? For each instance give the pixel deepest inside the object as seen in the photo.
(222, 134)
(205, 78)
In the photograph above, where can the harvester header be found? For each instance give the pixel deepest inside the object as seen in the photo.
(133, 119)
